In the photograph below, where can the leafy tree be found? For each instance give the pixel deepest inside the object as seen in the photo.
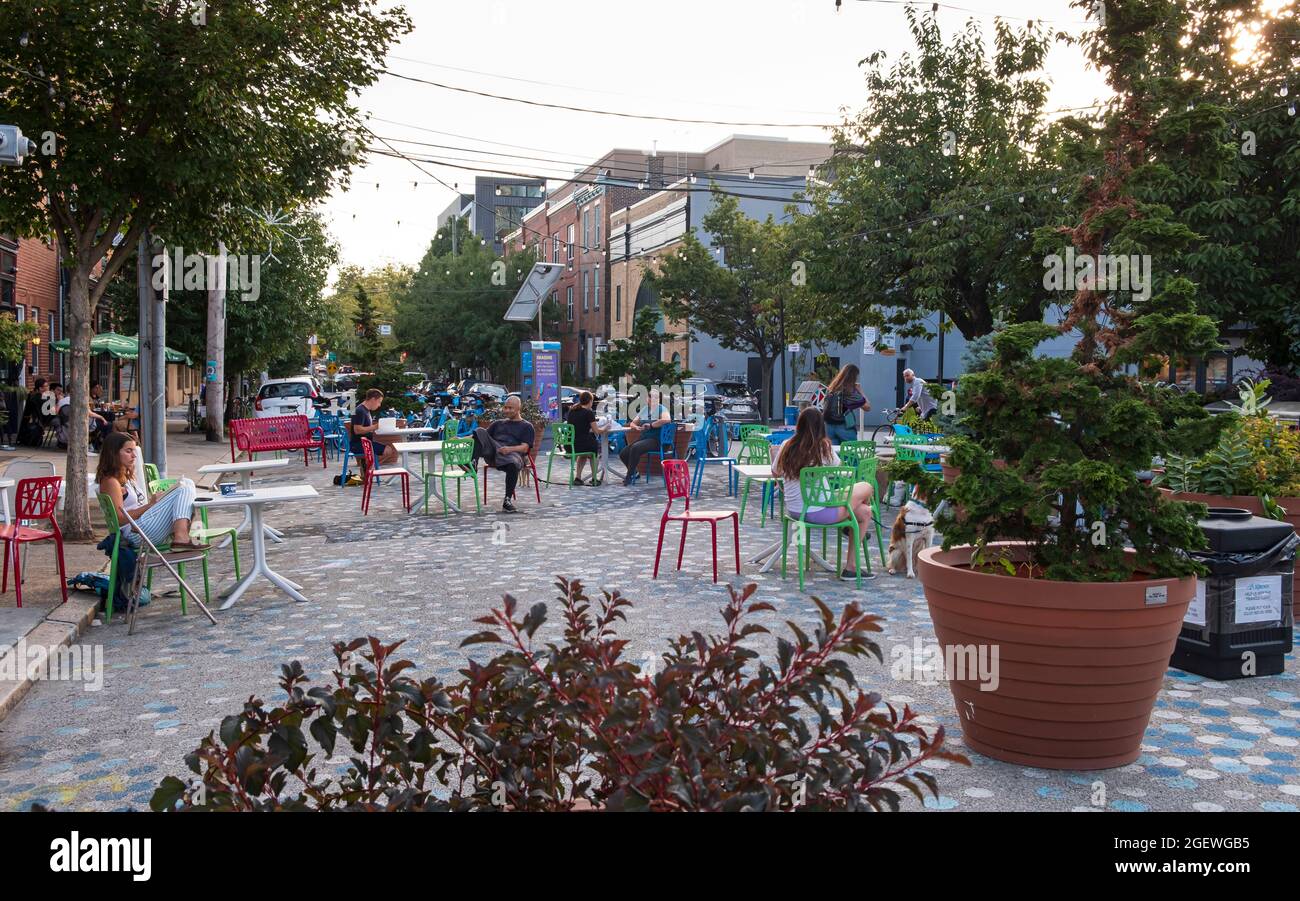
(370, 351)
(180, 118)
(742, 300)
(899, 229)
(641, 358)
(269, 333)
(1246, 208)
(384, 284)
(453, 309)
(1055, 442)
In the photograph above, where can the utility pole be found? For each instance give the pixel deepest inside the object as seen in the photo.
(143, 371)
(158, 376)
(214, 372)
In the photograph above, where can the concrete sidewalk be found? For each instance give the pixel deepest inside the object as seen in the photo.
(45, 620)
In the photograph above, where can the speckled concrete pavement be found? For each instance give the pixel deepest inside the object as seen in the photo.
(1210, 745)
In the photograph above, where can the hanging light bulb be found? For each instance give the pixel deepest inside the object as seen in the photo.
(961, 217)
(1053, 189)
(694, 178)
(812, 174)
(448, 272)
(986, 208)
(1022, 198)
(1290, 110)
(23, 39)
(934, 222)
(1282, 92)
(415, 184)
(877, 163)
(751, 173)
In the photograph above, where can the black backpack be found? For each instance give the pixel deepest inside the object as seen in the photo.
(833, 407)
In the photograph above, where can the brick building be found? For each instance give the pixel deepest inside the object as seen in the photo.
(573, 228)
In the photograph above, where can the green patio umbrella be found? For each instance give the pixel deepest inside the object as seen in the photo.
(123, 347)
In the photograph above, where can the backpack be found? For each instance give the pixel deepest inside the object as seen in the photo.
(833, 407)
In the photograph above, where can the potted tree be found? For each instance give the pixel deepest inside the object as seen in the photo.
(1069, 567)
(1255, 465)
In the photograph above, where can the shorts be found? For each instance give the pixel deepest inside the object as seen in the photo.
(825, 516)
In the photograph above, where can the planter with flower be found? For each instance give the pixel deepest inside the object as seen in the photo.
(1255, 465)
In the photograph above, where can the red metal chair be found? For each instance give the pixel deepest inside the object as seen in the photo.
(677, 479)
(530, 464)
(35, 499)
(373, 476)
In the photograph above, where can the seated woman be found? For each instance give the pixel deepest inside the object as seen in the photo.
(809, 446)
(585, 429)
(166, 516)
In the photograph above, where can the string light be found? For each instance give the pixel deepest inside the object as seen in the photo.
(751, 173)
(1282, 92)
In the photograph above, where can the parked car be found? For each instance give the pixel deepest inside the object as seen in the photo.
(299, 395)
(490, 392)
(739, 405)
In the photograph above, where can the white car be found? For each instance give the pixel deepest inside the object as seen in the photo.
(287, 397)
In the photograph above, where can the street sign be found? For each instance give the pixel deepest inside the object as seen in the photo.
(793, 348)
(331, 356)
(210, 373)
(331, 367)
(385, 329)
(869, 335)
(311, 339)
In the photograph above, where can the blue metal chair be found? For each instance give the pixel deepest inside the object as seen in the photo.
(700, 449)
(667, 446)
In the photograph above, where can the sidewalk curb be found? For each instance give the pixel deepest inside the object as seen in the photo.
(62, 626)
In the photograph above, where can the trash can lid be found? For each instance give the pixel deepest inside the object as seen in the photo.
(1231, 530)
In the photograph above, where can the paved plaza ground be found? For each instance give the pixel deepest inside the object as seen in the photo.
(1210, 746)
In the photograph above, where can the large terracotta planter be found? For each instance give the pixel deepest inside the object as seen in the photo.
(1079, 664)
(1248, 502)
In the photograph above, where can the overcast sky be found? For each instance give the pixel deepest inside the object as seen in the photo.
(779, 61)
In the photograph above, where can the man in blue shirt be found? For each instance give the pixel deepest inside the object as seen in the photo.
(643, 435)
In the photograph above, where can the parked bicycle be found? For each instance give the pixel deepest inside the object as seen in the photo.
(883, 434)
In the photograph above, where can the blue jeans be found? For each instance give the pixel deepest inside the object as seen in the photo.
(842, 431)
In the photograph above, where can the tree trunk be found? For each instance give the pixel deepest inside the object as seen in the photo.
(232, 391)
(216, 383)
(76, 502)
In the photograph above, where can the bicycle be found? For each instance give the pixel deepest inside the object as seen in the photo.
(883, 434)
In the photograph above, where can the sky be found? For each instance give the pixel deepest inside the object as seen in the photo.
(785, 62)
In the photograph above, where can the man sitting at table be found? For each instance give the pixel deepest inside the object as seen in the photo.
(363, 425)
(504, 444)
(643, 435)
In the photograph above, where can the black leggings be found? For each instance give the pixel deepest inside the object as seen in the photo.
(632, 454)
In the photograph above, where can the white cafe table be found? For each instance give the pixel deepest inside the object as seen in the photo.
(687, 427)
(254, 499)
(425, 449)
(769, 555)
(245, 472)
(406, 434)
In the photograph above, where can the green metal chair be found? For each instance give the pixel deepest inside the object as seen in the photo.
(855, 454)
(824, 486)
(150, 473)
(115, 529)
(200, 532)
(746, 454)
(457, 463)
(562, 441)
(757, 451)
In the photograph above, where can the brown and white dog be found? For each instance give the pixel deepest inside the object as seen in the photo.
(913, 532)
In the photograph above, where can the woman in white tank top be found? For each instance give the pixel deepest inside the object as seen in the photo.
(165, 518)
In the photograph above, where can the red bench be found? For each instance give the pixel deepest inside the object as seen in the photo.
(276, 433)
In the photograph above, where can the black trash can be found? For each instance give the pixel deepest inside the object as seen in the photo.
(1240, 623)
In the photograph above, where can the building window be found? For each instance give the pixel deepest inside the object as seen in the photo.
(508, 219)
(50, 343)
(569, 245)
(555, 248)
(597, 218)
(586, 290)
(555, 298)
(569, 297)
(618, 303)
(677, 362)
(595, 280)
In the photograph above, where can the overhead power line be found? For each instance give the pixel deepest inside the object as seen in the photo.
(599, 112)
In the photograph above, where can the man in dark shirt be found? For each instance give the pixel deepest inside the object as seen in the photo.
(514, 438)
(363, 425)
